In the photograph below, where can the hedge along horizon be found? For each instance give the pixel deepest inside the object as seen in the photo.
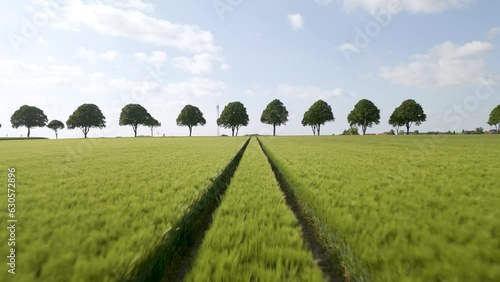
(85, 117)
(365, 114)
(190, 116)
(275, 114)
(233, 116)
(29, 117)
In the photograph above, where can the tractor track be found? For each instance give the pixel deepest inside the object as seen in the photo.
(327, 261)
(173, 257)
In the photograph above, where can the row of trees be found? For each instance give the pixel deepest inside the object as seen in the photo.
(364, 115)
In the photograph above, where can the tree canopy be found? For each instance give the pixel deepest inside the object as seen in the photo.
(85, 117)
(134, 115)
(56, 125)
(365, 114)
(396, 121)
(190, 116)
(318, 114)
(152, 123)
(274, 114)
(407, 114)
(494, 119)
(233, 116)
(29, 117)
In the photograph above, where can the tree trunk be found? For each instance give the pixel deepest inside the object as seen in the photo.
(232, 131)
(29, 132)
(85, 131)
(190, 130)
(319, 128)
(152, 128)
(237, 130)
(274, 129)
(135, 131)
(407, 129)
(364, 130)
(57, 137)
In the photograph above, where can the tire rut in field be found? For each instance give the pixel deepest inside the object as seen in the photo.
(327, 261)
(184, 262)
(172, 259)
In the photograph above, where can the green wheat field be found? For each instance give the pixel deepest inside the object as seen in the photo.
(384, 208)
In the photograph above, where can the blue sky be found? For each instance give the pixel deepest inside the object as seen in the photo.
(58, 54)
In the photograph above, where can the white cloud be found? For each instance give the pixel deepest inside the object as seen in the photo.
(48, 77)
(195, 87)
(449, 50)
(324, 2)
(22, 75)
(301, 92)
(197, 64)
(312, 92)
(295, 21)
(94, 56)
(348, 47)
(225, 67)
(133, 5)
(493, 32)
(133, 24)
(412, 6)
(258, 91)
(155, 58)
(42, 41)
(444, 65)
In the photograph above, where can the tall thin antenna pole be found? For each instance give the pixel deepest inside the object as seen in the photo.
(218, 129)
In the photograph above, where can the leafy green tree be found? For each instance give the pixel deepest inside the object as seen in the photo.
(274, 114)
(85, 117)
(134, 115)
(395, 121)
(317, 115)
(152, 123)
(234, 116)
(56, 125)
(408, 113)
(365, 114)
(190, 116)
(28, 116)
(307, 121)
(495, 118)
